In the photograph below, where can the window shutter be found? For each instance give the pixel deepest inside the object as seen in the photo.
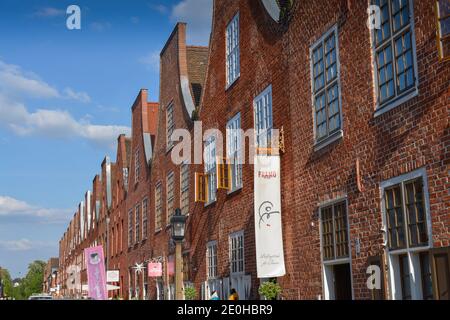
(201, 182)
(440, 269)
(223, 173)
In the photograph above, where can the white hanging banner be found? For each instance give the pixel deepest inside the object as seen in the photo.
(268, 231)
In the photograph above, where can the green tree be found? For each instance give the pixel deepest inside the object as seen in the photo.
(7, 284)
(32, 283)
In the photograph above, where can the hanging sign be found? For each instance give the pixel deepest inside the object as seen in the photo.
(155, 269)
(268, 228)
(95, 263)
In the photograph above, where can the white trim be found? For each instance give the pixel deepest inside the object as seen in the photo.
(328, 292)
(412, 92)
(392, 255)
(339, 133)
(266, 91)
(229, 82)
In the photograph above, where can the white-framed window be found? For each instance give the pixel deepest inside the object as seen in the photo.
(210, 168)
(407, 226)
(184, 188)
(130, 228)
(237, 265)
(211, 258)
(232, 51)
(158, 206)
(394, 52)
(137, 218)
(325, 80)
(137, 166)
(170, 196)
(443, 28)
(234, 151)
(170, 125)
(262, 105)
(145, 219)
(335, 247)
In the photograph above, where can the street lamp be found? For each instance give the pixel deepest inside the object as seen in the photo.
(178, 224)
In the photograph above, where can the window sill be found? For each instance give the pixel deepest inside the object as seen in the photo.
(231, 85)
(169, 149)
(331, 139)
(207, 204)
(392, 105)
(236, 190)
(158, 230)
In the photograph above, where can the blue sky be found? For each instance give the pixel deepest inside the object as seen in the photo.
(65, 95)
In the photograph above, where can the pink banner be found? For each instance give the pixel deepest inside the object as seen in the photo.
(95, 264)
(154, 270)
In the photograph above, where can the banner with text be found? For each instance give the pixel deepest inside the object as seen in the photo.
(96, 273)
(268, 229)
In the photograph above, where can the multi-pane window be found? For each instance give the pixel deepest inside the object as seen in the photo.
(158, 206)
(405, 276)
(130, 228)
(263, 118)
(334, 231)
(184, 188)
(394, 53)
(211, 256)
(137, 166)
(145, 219)
(237, 253)
(443, 31)
(405, 215)
(232, 53)
(137, 228)
(170, 122)
(234, 151)
(170, 195)
(210, 168)
(325, 83)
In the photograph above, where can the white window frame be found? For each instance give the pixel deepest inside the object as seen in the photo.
(212, 270)
(137, 226)
(170, 199)
(401, 98)
(412, 252)
(210, 168)
(170, 125)
(234, 238)
(234, 151)
(137, 166)
(263, 117)
(327, 274)
(145, 218)
(158, 206)
(184, 188)
(339, 132)
(232, 51)
(130, 228)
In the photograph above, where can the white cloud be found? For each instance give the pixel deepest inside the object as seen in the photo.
(79, 96)
(49, 12)
(23, 245)
(16, 82)
(14, 115)
(162, 9)
(135, 20)
(11, 207)
(197, 14)
(56, 124)
(151, 60)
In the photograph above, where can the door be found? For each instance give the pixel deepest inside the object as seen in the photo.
(342, 282)
(440, 266)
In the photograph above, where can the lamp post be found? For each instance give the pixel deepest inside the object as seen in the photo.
(178, 224)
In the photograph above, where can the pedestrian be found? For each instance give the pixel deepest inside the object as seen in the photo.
(233, 295)
(214, 295)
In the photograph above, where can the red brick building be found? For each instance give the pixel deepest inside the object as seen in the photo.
(364, 161)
